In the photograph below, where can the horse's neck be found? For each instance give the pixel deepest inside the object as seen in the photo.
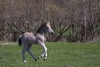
(42, 33)
(41, 36)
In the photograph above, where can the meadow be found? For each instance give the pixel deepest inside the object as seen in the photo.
(60, 54)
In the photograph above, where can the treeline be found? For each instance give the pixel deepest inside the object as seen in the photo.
(72, 20)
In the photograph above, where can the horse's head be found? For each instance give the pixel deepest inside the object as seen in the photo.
(48, 28)
(45, 28)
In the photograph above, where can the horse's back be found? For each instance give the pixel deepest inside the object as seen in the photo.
(28, 38)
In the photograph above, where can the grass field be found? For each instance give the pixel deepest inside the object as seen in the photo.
(60, 54)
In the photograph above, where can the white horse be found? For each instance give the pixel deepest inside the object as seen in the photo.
(27, 39)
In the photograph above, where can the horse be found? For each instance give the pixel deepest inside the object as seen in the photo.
(27, 39)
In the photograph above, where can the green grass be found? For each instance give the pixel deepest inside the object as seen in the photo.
(60, 54)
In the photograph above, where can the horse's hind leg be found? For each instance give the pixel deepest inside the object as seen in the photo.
(23, 52)
(28, 50)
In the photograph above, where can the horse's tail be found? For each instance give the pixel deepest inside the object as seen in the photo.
(19, 40)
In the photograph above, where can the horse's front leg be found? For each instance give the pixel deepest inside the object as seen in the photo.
(44, 54)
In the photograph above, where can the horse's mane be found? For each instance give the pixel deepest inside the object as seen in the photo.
(40, 27)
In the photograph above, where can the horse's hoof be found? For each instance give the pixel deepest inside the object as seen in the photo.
(38, 58)
(44, 59)
(25, 61)
(35, 59)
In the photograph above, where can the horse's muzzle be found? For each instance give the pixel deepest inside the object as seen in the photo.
(52, 32)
